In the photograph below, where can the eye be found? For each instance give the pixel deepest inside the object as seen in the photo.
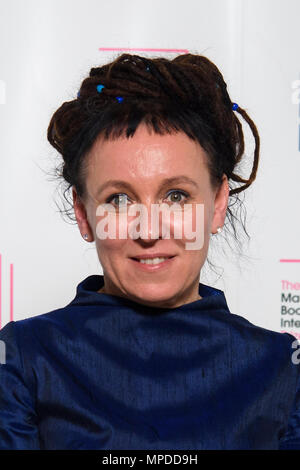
(178, 195)
(121, 197)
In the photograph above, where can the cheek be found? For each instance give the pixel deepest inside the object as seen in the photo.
(192, 226)
(111, 225)
(109, 239)
(111, 252)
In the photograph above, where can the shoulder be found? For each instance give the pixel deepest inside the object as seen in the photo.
(40, 327)
(270, 357)
(238, 329)
(51, 334)
(247, 328)
(251, 340)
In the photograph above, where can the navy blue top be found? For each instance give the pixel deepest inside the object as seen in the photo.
(105, 372)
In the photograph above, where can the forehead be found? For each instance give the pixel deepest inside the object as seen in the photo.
(145, 155)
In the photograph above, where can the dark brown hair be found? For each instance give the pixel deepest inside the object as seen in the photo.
(186, 93)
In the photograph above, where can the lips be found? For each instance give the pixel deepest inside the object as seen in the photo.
(151, 256)
(150, 267)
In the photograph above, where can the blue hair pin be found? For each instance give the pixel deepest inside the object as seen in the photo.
(235, 106)
(100, 87)
(78, 94)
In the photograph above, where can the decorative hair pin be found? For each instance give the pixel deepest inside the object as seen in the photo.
(235, 106)
(100, 87)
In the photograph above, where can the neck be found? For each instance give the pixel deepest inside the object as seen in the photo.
(103, 291)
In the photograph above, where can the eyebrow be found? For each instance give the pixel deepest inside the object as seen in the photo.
(165, 182)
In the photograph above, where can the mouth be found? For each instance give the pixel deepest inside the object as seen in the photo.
(153, 264)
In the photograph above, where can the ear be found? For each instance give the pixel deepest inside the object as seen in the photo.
(81, 216)
(220, 205)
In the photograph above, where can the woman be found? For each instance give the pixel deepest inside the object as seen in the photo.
(145, 356)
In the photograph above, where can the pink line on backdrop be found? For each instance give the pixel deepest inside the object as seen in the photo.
(289, 260)
(11, 290)
(0, 289)
(142, 49)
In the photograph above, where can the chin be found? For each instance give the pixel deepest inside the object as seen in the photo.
(154, 295)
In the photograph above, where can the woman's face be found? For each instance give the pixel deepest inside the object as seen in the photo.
(138, 170)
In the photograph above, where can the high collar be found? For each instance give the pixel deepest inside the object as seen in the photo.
(86, 294)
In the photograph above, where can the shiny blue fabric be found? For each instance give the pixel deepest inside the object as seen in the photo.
(105, 372)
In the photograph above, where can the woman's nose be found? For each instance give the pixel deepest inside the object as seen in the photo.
(158, 220)
(148, 225)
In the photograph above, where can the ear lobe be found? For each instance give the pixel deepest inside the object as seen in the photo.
(81, 214)
(220, 205)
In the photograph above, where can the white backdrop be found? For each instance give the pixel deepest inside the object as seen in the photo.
(48, 46)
